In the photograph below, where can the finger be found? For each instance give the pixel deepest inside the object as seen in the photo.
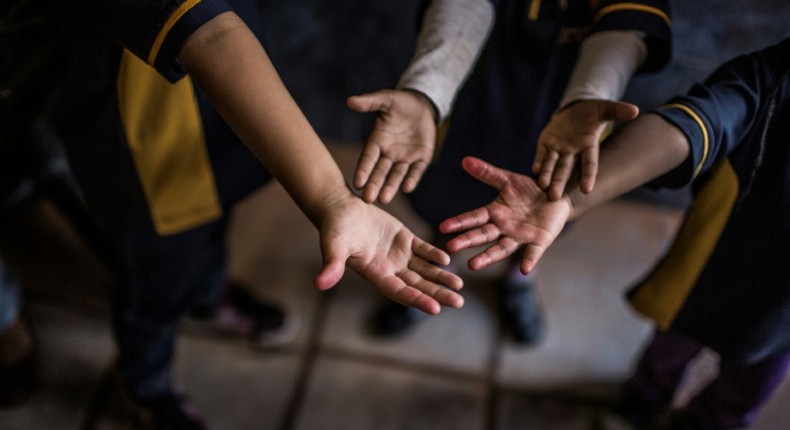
(392, 184)
(432, 272)
(413, 177)
(485, 172)
(370, 102)
(376, 179)
(465, 221)
(589, 169)
(562, 173)
(495, 253)
(472, 238)
(540, 154)
(532, 255)
(398, 289)
(429, 252)
(443, 296)
(334, 267)
(547, 169)
(367, 160)
(431, 281)
(621, 111)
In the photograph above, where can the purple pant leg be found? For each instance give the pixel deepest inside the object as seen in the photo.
(735, 397)
(661, 369)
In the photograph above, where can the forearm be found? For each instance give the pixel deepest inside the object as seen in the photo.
(451, 38)
(607, 62)
(227, 61)
(639, 152)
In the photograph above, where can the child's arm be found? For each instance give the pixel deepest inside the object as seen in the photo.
(522, 214)
(606, 63)
(231, 66)
(403, 140)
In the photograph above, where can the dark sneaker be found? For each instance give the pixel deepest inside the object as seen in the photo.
(393, 319)
(114, 407)
(18, 367)
(521, 312)
(240, 313)
(170, 412)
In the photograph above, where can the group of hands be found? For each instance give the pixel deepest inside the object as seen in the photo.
(526, 213)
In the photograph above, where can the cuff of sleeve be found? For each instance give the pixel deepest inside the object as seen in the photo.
(694, 127)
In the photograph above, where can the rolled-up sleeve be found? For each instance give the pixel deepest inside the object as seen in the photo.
(717, 115)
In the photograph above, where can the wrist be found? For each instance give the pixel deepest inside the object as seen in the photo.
(426, 102)
(330, 201)
(567, 199)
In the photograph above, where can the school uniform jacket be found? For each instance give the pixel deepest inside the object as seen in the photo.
(145, 144)
(517, 84)
(725, 280)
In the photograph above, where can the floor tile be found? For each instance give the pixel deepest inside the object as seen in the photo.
(75, 349)
(592, 336)
(275, 250)
(517, 412)
(357, 395)
(459, 340)
(236, 387)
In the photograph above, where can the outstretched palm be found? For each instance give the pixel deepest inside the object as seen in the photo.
(380, 248)
(520, 215)
(399, 148)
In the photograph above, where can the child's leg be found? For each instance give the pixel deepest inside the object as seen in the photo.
(521, 310)
(163, 284)
(661, 369)
(735, 397)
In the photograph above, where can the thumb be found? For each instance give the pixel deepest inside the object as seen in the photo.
(485, 172)
(333, 270)
(620, 111)
(370, 102)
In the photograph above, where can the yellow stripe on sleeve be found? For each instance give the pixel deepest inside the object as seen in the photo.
(632, 6)
(705, 136)
(160, 38)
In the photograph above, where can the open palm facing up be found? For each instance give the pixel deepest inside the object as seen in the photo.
(573, 137)
(521, 215)
(380, 248)
(399, 148)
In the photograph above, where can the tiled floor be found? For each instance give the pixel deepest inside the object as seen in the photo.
(454, 371)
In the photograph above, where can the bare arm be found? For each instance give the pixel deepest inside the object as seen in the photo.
(231, 66)
(403, 141)
(228, 62)
(522, 215)
(606, 63)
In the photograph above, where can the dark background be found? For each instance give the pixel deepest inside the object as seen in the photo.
(327, 50)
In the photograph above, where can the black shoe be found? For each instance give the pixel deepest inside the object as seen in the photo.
(240, 313)
(521, 312)
(118, 408)
(171, 412)
(393, 319)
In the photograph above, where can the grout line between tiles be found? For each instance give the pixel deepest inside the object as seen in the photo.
(296, 401)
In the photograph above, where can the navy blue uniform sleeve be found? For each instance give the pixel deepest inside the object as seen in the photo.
(719, 113)
(153, 30)
(651, 17)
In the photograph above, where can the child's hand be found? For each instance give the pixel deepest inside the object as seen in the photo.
(386, 253)
(575, 132)
(399, 148)
(520, 215)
